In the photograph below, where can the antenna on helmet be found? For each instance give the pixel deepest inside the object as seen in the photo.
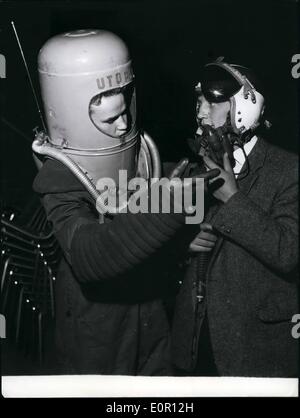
(29, 77)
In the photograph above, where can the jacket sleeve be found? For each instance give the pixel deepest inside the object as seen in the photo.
(104, 251)
(270, 237)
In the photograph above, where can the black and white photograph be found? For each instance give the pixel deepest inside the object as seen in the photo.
(149, 200)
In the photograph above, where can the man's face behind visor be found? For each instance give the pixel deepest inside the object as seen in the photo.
(214, 92)
(210, 113)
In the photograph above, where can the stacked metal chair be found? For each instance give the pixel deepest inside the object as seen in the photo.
(30, 256)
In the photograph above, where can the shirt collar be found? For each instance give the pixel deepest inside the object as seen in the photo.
(239, 156)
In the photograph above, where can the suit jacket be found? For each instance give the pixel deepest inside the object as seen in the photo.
(251, 280)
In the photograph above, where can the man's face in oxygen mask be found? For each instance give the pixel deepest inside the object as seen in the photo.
(209, 113)
(208, 140)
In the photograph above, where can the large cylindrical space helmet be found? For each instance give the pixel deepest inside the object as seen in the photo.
(87, 86)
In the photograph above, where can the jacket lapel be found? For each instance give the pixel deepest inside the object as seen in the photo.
(256, 161)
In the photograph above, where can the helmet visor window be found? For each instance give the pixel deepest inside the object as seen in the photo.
(217, 84)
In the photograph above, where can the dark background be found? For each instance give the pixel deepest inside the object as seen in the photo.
(169, 42)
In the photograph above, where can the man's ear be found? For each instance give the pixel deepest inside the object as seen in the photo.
(262, 110)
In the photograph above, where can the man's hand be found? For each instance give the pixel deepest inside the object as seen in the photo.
(225, 184)
(180, 167)
(178, 170)
(190, 184)
(205, 240)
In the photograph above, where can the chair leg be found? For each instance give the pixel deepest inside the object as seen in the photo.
(40, 337)
(19, 313)
(50, 278)
(4, 273)
(6, 293)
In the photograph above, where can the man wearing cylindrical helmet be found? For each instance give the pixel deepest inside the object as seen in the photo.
(234, 309)
(110, 317)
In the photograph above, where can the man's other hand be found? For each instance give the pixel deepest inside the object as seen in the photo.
(205, 240)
